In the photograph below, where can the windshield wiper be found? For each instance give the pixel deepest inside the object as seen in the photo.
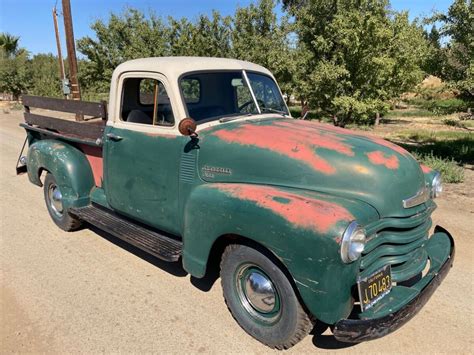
(269, 109)
(233, 117)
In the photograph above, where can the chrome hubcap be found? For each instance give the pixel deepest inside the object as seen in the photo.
(257, 294)
(55, 200)
(260, 292)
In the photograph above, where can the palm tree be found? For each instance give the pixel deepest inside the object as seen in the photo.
(9, 44)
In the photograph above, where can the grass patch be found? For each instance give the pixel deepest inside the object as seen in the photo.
(409, 113)
(439, 106)
(449, 169)
(95, 96)
(16, 106)
(443, 150)
(447, 106)
(468, 124)
(312, 115)
(360, 127)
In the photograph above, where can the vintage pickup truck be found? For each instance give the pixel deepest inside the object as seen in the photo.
(198, 160)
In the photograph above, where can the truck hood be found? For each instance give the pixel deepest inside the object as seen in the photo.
(311, 156)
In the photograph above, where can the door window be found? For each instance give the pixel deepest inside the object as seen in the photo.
(145, 101)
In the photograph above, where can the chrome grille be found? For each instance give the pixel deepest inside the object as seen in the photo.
(398, 242)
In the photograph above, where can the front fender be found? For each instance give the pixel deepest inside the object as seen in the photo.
(302, 229)
(69, 167)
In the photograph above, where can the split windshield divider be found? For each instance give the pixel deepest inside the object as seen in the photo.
(251, 91)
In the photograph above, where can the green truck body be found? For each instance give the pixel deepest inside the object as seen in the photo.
(288, 188)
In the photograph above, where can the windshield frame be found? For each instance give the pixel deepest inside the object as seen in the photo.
(247, 83)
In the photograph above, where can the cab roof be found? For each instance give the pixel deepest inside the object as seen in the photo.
(177, 66)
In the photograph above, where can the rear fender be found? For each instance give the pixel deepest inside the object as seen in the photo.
(69, 166)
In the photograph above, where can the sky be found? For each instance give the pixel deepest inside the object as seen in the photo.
(32, 19)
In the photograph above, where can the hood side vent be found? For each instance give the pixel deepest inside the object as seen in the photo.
(187, 168)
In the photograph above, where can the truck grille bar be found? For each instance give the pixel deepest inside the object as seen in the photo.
(398, 242)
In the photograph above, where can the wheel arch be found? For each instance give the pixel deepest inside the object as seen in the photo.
(223, 241)
(69, 166)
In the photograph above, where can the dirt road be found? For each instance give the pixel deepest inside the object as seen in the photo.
(87, 292)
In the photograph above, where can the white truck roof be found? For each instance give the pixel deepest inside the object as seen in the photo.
(174, 67)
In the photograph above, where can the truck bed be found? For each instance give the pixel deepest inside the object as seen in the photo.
(89, 131)
(85, 135)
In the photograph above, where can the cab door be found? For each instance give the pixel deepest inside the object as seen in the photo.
(142, 153)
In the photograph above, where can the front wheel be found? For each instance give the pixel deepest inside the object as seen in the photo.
(54, 202)
(261, 298)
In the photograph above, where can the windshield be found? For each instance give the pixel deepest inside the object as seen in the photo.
(267, 93)
(214, 95)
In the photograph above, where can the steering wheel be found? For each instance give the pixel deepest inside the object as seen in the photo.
(260, 103)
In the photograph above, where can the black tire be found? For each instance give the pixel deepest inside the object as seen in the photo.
(58, 213)
(279, 327)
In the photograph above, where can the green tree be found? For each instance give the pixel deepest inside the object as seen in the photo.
(361, 54)
(253, 34)
(14, 74)
(14, 78)
(458, 27)
(207, 37)
(259, 37)
(123, 37)
(9, 44)
(435, 58)
(44, 76)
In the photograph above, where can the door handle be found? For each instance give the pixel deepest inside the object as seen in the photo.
(113, 137)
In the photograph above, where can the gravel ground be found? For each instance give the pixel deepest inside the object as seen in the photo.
(87, 292)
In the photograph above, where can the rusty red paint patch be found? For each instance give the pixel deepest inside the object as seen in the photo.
(389, 145)
(380, 158)
(159, 135)
(94, 156)
(344, 131)
(291, 140)
(304, 212)
(426, 169)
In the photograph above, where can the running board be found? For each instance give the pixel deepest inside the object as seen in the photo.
(152, 242)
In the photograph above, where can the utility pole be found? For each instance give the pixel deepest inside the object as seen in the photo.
(71, 54)
(58, 44)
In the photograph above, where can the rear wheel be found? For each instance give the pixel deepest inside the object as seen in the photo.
(54, 202)
(261, 298)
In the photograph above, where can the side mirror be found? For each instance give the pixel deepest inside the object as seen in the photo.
(187, 127)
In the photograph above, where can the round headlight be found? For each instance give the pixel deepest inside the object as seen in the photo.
(353, 243)
(436, 186)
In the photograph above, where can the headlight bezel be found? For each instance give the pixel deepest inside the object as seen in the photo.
(353, 243)
(436, 185)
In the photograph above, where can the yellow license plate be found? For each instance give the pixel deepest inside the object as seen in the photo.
(374, 287)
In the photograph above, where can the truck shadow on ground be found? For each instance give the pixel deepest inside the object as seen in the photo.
(174, 269)
(205, 284)
(323, 339)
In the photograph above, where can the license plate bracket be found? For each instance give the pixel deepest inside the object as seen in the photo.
(374, 287)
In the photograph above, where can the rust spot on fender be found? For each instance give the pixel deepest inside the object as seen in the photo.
(426, 169)
(380, 158)
(159, 135)
(94, 156)
(290, 139)
(303, 212)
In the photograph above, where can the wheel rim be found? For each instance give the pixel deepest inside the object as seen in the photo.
(55, 200)
(257, 294)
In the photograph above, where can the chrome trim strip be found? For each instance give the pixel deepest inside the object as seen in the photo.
(421, 197)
